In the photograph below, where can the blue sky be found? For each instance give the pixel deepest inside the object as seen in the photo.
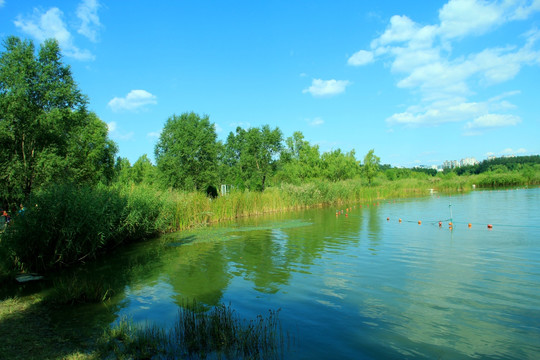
(419, 82)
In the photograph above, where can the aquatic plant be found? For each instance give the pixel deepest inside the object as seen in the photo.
(198, 333)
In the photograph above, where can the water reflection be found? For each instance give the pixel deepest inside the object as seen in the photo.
(429, 292)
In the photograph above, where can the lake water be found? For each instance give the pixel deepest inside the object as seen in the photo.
(359, 286)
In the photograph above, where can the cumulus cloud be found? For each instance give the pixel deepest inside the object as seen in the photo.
(325, 88)
(154, 134)
(133, 101)
(361, 57)
(50, 24)
(87, 12)
(422, 58)
(493, 121)
(315, 122)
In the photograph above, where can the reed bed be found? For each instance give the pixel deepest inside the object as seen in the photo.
(198, 333)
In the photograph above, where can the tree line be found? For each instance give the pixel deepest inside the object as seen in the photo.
(49, 136)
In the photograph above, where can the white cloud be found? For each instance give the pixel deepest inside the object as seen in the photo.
(154, 134)
(115, 133)
(2, 3)
(463, 17)
(422, 58)
(90, 24)
(362, 57)
(49, 24)
(315, 122)
(323, 88)
(133, 101)
(111, 126)
(489, 121)
(218, 128)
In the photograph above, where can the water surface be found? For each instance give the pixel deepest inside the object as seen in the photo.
(358, 286)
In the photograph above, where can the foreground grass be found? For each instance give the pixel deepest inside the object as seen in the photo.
(28, 331)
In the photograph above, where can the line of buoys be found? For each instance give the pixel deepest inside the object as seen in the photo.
(450, 224)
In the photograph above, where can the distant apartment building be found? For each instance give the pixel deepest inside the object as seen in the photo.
(450, 164)
(468, 161)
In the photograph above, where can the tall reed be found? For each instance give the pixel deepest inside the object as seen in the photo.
(198, 333)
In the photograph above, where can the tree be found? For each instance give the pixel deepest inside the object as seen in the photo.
(371, 165)
(300, 161)
(143, 171)
(122, 170)
(186, 153)
(339, 166)
(252, 155)
(45, 129)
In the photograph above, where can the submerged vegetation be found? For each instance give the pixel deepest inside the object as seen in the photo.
(198, 333)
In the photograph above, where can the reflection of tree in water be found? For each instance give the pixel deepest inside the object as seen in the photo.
(260, 258)
(199, 272)
(327, 232)
(374, 228)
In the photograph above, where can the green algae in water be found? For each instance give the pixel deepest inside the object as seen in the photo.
(213, 234)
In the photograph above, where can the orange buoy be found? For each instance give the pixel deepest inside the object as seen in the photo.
(490, 226)
(419, 222)
(399, 220)
(470, 225)
(450, 224)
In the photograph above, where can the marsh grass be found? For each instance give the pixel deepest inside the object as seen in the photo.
(74, 289)
(198, 334)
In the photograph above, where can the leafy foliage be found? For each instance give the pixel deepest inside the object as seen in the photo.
(186, 153)
(251, 155)
(45, 130)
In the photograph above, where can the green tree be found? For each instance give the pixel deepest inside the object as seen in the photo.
(186, 153)
(90, 153)
(122, 170)
(253, 156)
(339, 166)
(300, 161)
(45, 130)
(143, 171)
(371, 165)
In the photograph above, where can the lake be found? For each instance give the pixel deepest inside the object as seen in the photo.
(356, 285)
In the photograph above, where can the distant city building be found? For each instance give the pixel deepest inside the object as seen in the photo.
(491, 157)
(450, 164)
(468, 161)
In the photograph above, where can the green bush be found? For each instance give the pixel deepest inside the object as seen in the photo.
(66, 224)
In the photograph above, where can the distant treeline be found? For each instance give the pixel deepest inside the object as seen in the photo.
(502, 164)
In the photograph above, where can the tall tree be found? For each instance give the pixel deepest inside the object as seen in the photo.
(43, 121)
(339, 166)
(371, 165)
(253, 154)
(186, 153)
(300, 161)
(143, 171)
